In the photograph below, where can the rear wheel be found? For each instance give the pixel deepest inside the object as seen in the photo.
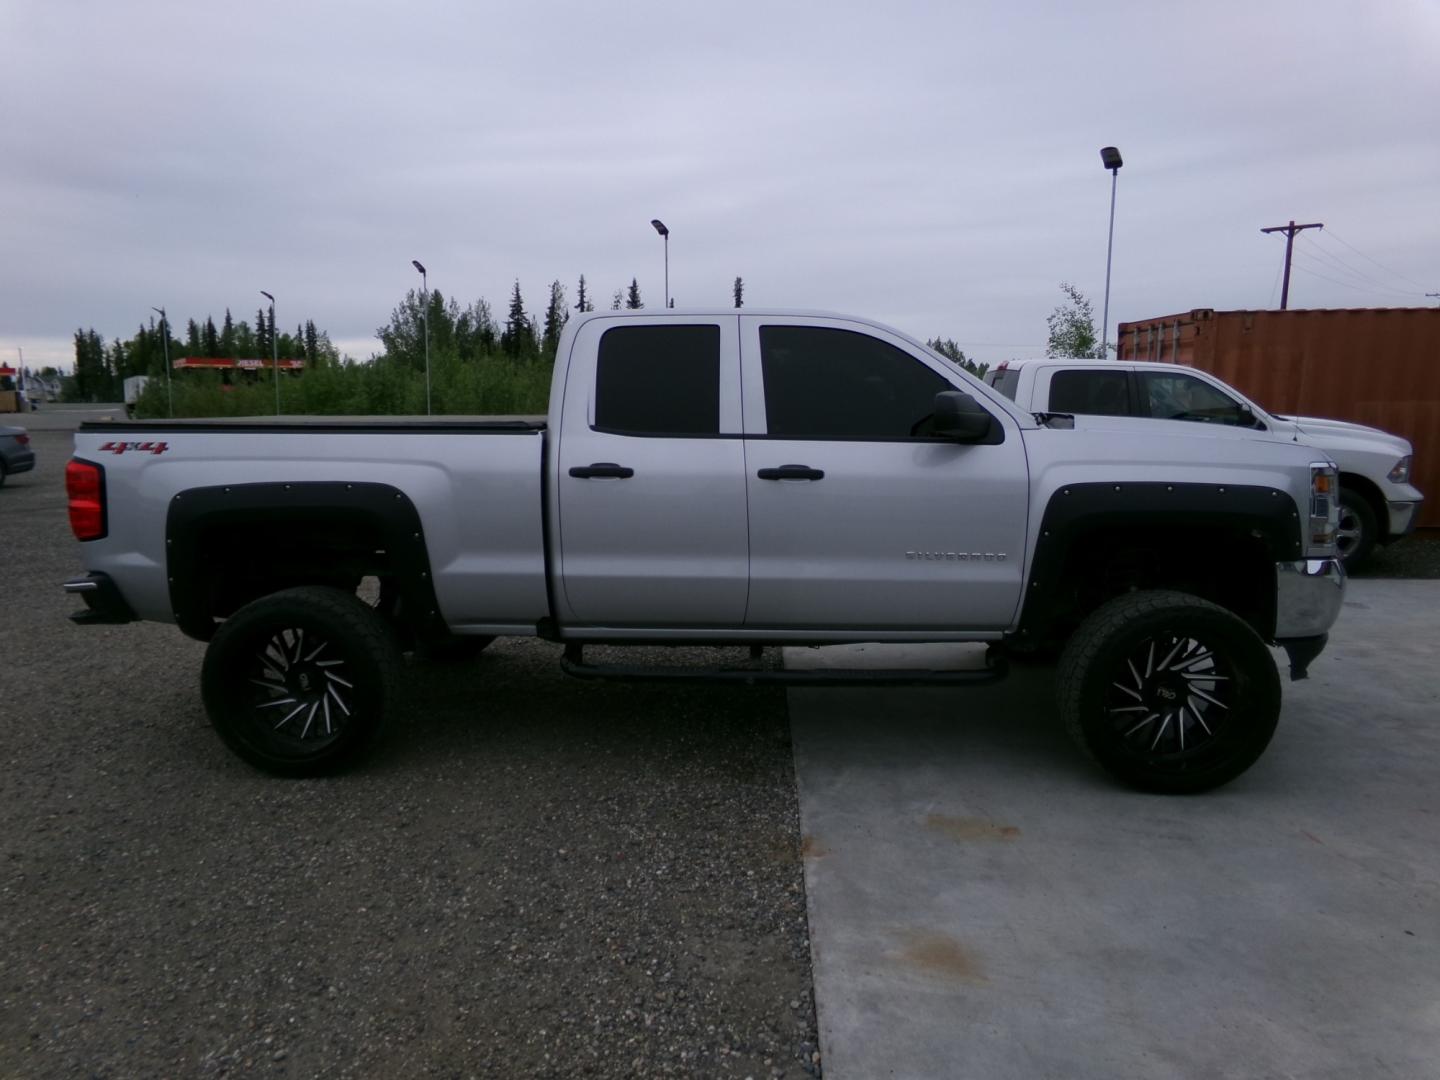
(1169, 692)
(299, 682)
(1358, 529)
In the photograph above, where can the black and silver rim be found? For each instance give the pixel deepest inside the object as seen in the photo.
(1349, 532)
(1172, 698)
(301, 688)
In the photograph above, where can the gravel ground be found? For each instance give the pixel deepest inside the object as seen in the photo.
(538, 877)
(1415, 556)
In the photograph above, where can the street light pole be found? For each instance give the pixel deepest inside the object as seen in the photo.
(425, 290)
(165, 342)
(665, 234)
(274, 351)
(1111, 157)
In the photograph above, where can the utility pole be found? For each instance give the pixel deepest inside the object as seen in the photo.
(1289, 231)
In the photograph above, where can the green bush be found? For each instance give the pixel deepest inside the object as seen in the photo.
(492, 385)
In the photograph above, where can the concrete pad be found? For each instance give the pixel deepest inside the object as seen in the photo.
(985, 903)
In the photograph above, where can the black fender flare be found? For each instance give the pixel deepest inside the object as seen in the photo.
(388, 511)
(1077, 512)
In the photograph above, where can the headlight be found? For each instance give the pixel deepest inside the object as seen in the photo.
(1400, 474)
(1324, 508)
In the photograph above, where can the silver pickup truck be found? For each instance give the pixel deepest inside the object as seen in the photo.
(724, 478)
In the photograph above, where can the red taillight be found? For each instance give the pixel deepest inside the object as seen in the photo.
(23, 439)
(85, 484)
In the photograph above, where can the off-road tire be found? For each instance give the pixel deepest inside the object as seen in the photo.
(300, 682)
(1168, 692)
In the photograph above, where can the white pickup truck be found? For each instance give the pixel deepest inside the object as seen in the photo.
(723, 478)
(1378, 504)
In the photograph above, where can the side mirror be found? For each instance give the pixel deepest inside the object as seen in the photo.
(960, 417)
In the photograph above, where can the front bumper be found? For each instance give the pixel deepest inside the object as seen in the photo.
(1402, 517)
(1308, 595)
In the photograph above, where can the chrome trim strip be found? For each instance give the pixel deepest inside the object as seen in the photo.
(1308, 597)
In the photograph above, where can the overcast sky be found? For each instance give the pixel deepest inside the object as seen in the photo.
(932, 165)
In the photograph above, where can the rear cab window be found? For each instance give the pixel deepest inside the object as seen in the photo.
(1090, 392)
(658, 381)
(1005, 379)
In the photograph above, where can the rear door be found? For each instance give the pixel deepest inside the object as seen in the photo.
(650, 523)
(858, 519)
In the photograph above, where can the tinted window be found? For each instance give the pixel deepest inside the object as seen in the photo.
(1090, 393)
(659, 380)
(1006, 380)
(1184, 397)
(836, 384)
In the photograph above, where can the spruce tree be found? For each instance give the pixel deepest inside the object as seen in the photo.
(555, 317)
(210, 340)
(583, 304)
(632, 299)
(227, 336)
(517, 326)
(739, 293)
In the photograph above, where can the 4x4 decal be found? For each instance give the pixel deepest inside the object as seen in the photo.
(138, 447)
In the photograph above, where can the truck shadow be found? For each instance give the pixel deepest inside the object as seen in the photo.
(515, 700)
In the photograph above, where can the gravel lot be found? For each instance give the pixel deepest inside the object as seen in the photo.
(539, 877)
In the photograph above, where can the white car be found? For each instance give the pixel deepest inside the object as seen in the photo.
(1378, 504)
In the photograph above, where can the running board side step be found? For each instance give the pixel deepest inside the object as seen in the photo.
(573, 663)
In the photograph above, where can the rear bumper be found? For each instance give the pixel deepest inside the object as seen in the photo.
(1308, 596)
(23, 461)
(103, 603)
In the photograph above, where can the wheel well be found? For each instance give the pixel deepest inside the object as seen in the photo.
(228, 546)
(1229, 568)
(260, 558)
(1366, 488)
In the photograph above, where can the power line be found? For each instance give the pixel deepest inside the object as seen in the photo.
(1382, 266)
(1373, 289)
(1341, 264)
(1347, 285)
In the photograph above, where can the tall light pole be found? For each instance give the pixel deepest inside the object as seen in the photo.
(425, 290)
(165, 343)
(665, 234)
(1111, 157)
(274, 351)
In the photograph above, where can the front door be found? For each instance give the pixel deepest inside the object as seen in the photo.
(858, 519)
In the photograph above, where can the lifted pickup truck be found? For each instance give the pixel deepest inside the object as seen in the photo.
(1378, 504)
(712, 477)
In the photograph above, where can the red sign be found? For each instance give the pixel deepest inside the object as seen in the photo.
(228, 364)
(6, 370)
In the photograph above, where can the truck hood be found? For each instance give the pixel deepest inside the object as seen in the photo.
(1342, 433)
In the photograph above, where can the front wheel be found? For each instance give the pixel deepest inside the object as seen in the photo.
(1357, 531)
(1168, 692)
(298, 683)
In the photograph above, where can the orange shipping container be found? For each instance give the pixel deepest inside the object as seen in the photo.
(1376, 366)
